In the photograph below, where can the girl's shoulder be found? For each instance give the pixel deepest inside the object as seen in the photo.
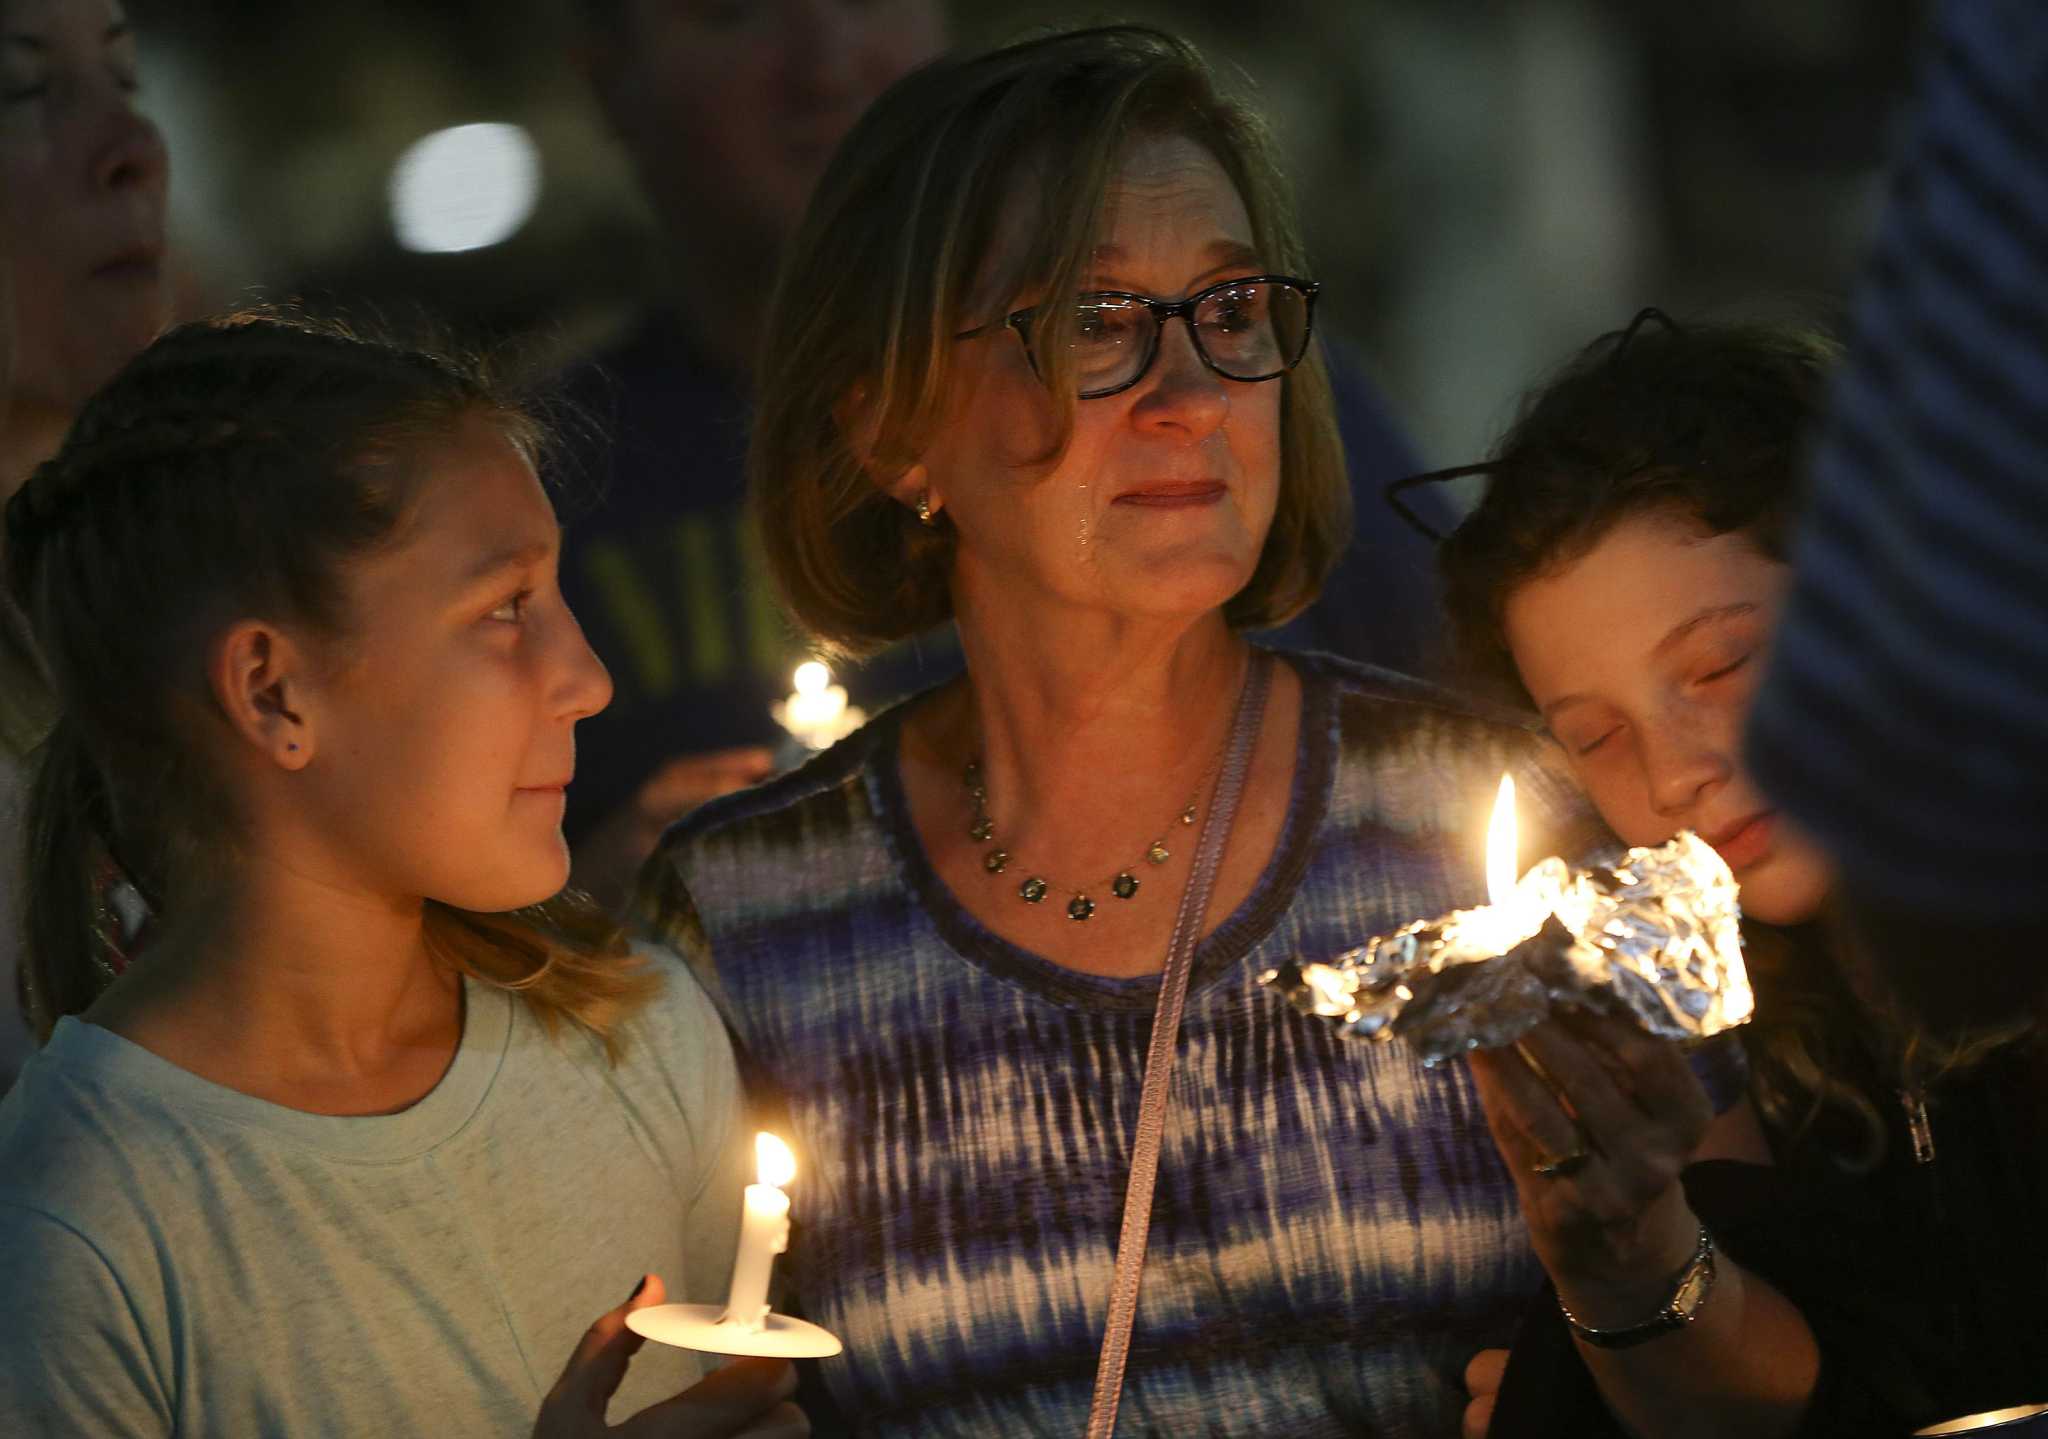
(678, 1031)
(83, 1144)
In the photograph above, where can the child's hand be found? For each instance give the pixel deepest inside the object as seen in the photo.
(744, 1400)
(1482, 1382)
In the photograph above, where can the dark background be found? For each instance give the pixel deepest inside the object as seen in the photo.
(1485, 185)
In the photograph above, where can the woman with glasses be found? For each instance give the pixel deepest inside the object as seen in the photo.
(1042, 364)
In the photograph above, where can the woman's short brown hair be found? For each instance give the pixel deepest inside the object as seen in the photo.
(894, 244)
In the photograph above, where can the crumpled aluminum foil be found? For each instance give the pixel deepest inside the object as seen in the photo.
(1655, 937)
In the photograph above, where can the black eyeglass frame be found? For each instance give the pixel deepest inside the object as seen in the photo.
(1162, 311)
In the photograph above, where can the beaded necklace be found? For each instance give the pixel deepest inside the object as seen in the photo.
(1124, 883)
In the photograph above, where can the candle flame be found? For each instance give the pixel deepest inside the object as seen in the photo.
(776, 1165)
(811, 678)
(1500, 846)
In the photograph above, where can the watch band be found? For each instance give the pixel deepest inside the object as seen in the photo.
(1689, 1290)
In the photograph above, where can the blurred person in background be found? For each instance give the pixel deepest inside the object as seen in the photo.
(1904, 720)
(83, 178)
(729, 113)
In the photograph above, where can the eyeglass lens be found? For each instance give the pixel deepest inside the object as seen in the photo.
(1253, 331)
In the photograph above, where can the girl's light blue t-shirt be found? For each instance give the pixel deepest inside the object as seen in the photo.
(181, 1258)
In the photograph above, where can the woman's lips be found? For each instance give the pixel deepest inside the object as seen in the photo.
(1175, 495)
(1746, 841)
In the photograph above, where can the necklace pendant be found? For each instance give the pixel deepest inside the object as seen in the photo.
(1159, 853)
(1080, 907)
(996, 861)
(983, 829)
(1032, 890)
(1124, 885)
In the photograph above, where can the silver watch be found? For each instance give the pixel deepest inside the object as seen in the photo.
(1689, 1290)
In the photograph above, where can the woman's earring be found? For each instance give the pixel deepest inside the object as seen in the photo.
(924, 509)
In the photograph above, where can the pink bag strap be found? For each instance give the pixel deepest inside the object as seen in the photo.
(1173, 989)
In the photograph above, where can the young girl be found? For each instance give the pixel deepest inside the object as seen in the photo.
(373, 1131)
(1623, 573)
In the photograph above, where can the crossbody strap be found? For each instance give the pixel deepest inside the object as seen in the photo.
(1173, 989)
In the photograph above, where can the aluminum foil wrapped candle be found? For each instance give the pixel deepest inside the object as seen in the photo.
(1655, 937)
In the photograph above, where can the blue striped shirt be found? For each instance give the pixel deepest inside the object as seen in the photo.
(1333, 1234)
(1904, 720)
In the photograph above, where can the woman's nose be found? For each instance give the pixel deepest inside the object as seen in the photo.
(1183, 392)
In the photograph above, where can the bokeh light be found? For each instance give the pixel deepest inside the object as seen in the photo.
(464, 188)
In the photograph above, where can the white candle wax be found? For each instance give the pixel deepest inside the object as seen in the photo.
(764, 1233)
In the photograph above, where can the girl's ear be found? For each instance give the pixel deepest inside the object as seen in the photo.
(861, 423)
(258, 676)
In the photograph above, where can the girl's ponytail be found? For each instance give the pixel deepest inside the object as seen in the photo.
(72, 939)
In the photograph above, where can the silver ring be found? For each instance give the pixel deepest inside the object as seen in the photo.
(1562, 1167)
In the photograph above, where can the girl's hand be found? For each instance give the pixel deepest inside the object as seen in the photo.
(743, 1400)
(1595, 1120)
(1482, 1382)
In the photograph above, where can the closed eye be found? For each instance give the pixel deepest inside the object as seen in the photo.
(1588, 748)
(1726, 670)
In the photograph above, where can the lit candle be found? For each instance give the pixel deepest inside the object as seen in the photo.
(1502, 840)
(817, 713)
(1655, 935)
(764, 1233)
(1515, 908)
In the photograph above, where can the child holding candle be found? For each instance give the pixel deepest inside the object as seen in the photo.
(1623, 576)
(378, 1125)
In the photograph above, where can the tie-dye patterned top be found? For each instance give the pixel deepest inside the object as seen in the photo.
(1333, 1234)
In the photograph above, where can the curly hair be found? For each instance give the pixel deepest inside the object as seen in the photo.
(1707, 422)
